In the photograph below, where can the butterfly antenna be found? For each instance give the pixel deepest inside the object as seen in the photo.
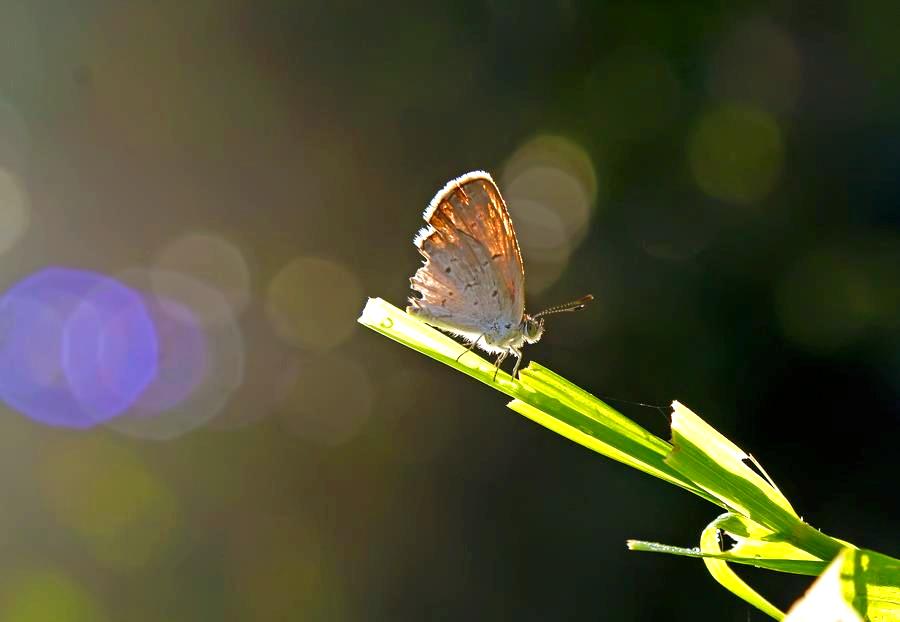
(575, 305)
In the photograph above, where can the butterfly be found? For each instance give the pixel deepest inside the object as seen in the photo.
(472, 282)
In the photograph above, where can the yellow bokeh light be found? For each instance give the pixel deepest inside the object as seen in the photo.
(545, 245)
(14, 215)
(560, 192)
(313, 302)
(213, 260)
(550, 186)
(555, 151)
(39, 595)
(120, 510)
(736, 154)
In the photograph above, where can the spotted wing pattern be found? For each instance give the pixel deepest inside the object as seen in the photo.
(472, 280)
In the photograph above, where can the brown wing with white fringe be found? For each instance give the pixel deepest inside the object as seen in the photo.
(472, 281)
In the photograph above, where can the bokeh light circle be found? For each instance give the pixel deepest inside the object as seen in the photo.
(543, 228)
(183, 356)
(120, 510)
(566, 170)
(77, 347)
(550, 187)
(46, 593)
(201, 356)
(329, 402)
(736, 154)
(213, 260)
(14, 210)
(109, 349)
(314, 302)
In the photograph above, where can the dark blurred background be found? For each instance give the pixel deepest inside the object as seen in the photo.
(723, 177)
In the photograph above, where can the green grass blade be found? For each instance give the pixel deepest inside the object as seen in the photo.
(870, 581)
(793, 566)
(383, 317)
(726, 577)
(610, 433)
(717, 465)
(595, 436)
(541, 395)
(768, 532)
(549, 383)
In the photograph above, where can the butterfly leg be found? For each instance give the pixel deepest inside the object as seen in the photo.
(470, 348)
(500, 358)
(518, 354)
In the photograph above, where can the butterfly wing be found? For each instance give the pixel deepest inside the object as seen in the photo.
(472, 280)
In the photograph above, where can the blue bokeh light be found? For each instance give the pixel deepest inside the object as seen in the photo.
(76, 348)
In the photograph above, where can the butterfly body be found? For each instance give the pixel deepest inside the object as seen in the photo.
(472, 283)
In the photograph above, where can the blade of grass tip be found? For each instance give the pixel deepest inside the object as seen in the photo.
(792, 566)
(717, 465)
(766, 475)
(383, 317)
(726, 577)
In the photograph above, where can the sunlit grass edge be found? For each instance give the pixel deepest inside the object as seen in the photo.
(699, 459)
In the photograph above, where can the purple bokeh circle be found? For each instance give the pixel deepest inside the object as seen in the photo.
(76, 348)
(183, 358)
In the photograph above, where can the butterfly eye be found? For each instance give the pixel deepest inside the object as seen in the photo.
(533, 329)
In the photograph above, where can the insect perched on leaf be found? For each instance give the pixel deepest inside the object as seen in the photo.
(472, 283)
